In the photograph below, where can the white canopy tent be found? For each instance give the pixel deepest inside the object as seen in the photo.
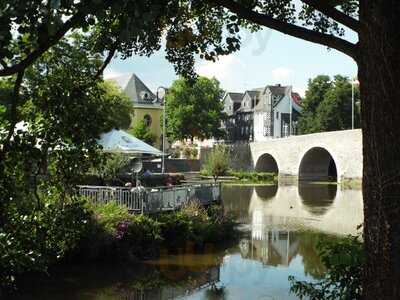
(118, 141)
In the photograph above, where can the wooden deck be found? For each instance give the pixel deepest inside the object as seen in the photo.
(153, 200)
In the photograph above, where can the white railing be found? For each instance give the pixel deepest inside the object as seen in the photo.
(152, 200)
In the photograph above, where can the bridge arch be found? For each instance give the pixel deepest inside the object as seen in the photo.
(267, 163)
(318, 164)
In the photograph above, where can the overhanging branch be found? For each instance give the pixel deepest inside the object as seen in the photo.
(51, 41)
(110, 55)
(328, 40)
(333, 13)
(13, 113)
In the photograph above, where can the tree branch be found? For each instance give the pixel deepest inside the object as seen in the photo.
(3, 63)
(333, 13)
(13, 114)
(107, 60)
(328, 40)
(35, 54)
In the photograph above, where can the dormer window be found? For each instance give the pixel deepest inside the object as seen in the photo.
(144, 96)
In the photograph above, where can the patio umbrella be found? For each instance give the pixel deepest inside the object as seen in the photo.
(119, 141)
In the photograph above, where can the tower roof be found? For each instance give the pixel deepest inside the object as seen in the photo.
(134, 88)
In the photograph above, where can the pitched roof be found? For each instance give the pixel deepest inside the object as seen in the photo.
(134, 88)
(253, 93)
(236, 97)
(278, 89)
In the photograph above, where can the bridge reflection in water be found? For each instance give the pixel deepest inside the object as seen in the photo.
(280, 220)
(322, 207)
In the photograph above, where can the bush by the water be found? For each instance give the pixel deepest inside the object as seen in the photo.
(32, 242)
(343, 259)
(115, 231)
(75, 231)
(253, 177)
(196, 225)
(246, 176)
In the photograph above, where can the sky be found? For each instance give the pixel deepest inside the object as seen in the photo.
(266, 57)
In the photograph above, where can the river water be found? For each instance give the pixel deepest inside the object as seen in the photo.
(281, 226)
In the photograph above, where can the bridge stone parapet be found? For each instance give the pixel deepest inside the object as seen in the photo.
(318, 156)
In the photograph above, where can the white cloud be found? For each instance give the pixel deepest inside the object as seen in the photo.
(283, 75)
(229, 70)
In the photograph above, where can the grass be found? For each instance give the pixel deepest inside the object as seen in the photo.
(247, 177)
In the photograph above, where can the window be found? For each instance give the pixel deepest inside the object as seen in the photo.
(147, 120)
(277, 114)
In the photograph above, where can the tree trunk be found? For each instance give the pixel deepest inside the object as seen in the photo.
(379, 74)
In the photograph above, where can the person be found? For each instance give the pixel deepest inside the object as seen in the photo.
(138, 187)
(141, 191)
(128, 184)
(147, 173)
(169, 181)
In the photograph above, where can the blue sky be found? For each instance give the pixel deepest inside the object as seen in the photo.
(266, 57)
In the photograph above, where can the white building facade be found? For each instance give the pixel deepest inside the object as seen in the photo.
(271, 111)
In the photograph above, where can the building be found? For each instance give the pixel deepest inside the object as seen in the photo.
(264, 113)
(146, 105)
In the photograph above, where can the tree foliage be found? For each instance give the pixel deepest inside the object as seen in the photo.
(61, 111)
(343, 259)
(141, 131)
(327, 105)
(194, 109)
(217, 162)
(127, 27)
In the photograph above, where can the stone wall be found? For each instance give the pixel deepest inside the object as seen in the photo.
(240, 156)
(173, 165)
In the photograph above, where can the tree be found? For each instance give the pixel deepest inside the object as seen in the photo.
(377, 54)
(194, 109)
(65, 109)
(327, 105)
(142, 132)
(217, 162)
(120, 106)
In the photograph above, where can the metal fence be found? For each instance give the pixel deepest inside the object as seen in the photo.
(152, 200)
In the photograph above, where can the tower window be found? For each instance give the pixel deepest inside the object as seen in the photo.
(147, 120)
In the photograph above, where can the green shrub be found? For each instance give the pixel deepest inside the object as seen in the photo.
(139, 238)
(343, 259)
(254, 177)
(198, 226)
(112, 167)
(109, 215)
(34, 242)
(143, 132)
(190, 152)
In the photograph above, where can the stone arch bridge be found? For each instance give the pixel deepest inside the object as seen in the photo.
(333, 155)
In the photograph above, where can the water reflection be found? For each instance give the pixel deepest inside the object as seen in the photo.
(170, 277)
(266, 192)
(326, 208)
(282, 228)
(317, 198)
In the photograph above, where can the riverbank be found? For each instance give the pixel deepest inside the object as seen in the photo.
(244, 177)
(110, 234)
